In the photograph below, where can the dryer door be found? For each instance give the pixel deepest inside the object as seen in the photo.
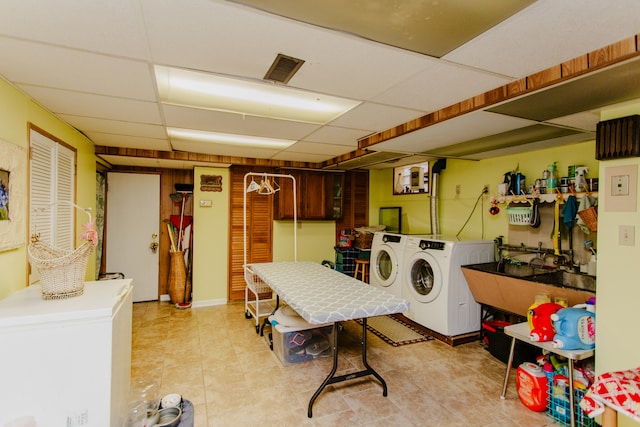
(385, 266)
(424, 277)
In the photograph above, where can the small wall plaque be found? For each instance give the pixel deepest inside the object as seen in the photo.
(211, 183)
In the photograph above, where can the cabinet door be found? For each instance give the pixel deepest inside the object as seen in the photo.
(335, 196)
(283, 200)
(314, 193)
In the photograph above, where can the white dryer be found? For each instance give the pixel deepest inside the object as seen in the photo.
(386, 261)
(434, 285)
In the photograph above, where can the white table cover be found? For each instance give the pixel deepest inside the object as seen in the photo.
(321, 295)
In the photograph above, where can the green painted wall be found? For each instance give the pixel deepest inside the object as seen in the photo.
(471, 176)
(210, 240)
(16, 112)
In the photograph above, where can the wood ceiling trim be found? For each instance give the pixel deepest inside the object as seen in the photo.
(588, 63)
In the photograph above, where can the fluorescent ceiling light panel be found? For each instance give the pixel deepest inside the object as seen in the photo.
(227, 138)
(208, 91)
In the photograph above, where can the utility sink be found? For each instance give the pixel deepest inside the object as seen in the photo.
(513, 288)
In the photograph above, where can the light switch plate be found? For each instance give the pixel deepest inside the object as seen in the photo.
(626, 235)
(205, 203)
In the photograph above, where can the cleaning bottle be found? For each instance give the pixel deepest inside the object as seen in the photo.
(552, 180)
(540, 299)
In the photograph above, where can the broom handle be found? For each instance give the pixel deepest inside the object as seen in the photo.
(173, 244)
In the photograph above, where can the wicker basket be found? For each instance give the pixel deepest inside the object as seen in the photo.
(62, 271)
(590, 217)
(519, 215)
(363, 240)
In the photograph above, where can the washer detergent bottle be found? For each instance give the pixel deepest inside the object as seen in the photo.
(533, 386)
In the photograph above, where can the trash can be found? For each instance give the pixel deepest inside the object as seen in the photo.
(498, 343)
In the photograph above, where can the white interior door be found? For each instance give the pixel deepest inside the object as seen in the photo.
(133, 224)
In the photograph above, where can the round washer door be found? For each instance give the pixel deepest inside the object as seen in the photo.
(424, 278)
(385, 266)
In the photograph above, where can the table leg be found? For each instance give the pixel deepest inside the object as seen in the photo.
(331, 379)
(572, 408)
(509, 362)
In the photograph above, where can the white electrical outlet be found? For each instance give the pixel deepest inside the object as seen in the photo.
(626, 235)
(206, 203)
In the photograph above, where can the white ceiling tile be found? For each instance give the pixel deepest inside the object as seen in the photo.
(548, 33)
(116, 127)
(125, 141)
(337, 135)
(375, 117)
(424, 90)
(335, 63)
(459, 129)
(330, 150)
(84, 104)
(112, 27)
(75, 70)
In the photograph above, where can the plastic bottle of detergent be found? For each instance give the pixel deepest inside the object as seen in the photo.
(540, 299)
(533, 386)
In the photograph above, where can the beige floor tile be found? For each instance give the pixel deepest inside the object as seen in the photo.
(215, 359)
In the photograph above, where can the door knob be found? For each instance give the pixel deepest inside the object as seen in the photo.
(153, 246)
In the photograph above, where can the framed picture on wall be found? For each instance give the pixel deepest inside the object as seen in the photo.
(13, 164)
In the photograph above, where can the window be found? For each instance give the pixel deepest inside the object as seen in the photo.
(51, 190)
(411, 179)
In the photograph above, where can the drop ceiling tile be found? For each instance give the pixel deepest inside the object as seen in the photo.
(429, 27)
(22, 62)
(112, 27)
(423, 91)
(84, 104)
(125, 141)
(473, 125)
(548, 33)
(331, 150)
(157, 163)
(335, 63)
(116, 127)
(209, 120)
(337, 135)
(587, 120)
(375, 117)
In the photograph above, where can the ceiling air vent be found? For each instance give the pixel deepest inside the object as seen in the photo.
(283, 68)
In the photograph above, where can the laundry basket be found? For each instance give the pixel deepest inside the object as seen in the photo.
(62, 271)
(519, 215)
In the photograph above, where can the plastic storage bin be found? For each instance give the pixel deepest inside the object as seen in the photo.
(498, 343)
(558, 403)
(302, 345)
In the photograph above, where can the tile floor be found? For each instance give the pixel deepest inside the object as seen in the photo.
(215, 359)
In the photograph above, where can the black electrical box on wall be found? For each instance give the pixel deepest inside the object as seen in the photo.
(618, 138)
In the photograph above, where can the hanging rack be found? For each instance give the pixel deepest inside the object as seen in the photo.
(253, 283)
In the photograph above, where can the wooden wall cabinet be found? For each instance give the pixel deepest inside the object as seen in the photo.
(311, 195)
(335, 196)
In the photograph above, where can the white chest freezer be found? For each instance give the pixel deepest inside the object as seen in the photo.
(67, 362)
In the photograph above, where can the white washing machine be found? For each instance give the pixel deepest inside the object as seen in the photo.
(386, 261)
(433, 283)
